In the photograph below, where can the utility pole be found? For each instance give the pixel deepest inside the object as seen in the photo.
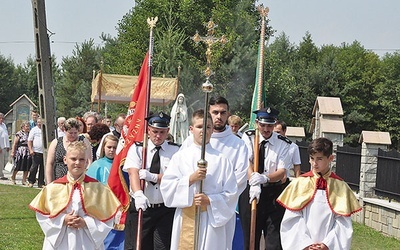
(44, 75)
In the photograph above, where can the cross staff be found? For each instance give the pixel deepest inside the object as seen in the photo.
(209, 39)
(207, 87)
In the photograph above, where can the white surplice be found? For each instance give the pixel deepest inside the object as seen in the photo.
(233, 148)
(59, 236)
(299, 229)
(220, 187)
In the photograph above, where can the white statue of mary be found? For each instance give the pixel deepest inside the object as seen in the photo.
(179, 125)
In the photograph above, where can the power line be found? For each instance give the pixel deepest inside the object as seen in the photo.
(383, 49)
(13, 42)
(29, 42)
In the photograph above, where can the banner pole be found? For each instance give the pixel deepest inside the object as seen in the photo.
(263, 13)
(152, 23)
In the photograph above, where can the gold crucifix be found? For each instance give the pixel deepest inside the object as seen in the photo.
(209, 39)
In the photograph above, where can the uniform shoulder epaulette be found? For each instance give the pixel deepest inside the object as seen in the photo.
(173, 144)
(139, 143)
(283, 138)
(250, 132)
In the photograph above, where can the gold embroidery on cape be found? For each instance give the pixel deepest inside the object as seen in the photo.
(54, 198)
(301, 190)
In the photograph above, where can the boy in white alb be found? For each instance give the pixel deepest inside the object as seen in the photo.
(75, 211)
(180, 189)
(318, 205)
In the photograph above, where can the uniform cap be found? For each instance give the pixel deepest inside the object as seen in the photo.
(267, 115)
(160, 120)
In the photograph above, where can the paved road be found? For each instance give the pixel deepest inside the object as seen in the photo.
(18, 179)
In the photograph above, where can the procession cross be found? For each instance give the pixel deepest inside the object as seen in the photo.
(207, 87)
(209, 39)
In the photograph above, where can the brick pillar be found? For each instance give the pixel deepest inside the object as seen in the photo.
(368, 168)
(370, 141)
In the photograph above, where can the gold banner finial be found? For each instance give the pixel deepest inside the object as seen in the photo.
(263, 11)
(151, 21)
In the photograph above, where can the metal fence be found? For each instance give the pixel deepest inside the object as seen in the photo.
(305, 164)
(348, 164)
(388, 174)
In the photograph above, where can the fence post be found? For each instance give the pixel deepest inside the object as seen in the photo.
(370, 141)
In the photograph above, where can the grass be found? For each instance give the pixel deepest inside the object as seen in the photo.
(20, 230)
(18, 226)
(367, 238)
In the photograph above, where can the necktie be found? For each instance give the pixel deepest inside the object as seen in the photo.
(155, 163)
(261, 156)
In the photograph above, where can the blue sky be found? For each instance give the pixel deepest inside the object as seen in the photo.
(371, 22)
(72, 21)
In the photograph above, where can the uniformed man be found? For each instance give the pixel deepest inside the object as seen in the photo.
(157, 219)
(294, 153)
(265, 185)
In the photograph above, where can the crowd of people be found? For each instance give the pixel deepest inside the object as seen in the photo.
(197, 186)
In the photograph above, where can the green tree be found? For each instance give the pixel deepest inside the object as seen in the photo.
(304, 65)
(295, 74)
(26, 79)
(388, 118)
(236, 61)
(359, 69)
(73, 91)
(8, 90)
(237, 20)
(280, 78)
(170, 52)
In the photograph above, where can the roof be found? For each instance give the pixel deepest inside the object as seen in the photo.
(295, 132)
(9, 112)
(334, 125)
(375, 137)
(119, 89)
(23, 96)
(328, 106)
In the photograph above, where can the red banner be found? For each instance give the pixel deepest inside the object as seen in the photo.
(132, 132)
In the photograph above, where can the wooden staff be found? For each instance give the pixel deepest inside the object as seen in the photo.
(263, 13)
(99, 87)
(152, 23)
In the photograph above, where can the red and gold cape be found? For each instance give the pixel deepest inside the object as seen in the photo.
(98, 201)
(301, 191)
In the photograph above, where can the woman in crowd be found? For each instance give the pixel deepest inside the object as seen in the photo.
(100, 170)
(20, 152)
(96, 133)
(82, 125)
(55, 166)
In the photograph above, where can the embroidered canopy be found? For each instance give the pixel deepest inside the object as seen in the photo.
(119, 89)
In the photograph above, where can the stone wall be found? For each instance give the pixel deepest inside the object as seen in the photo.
(382, 216)
(377, 213)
